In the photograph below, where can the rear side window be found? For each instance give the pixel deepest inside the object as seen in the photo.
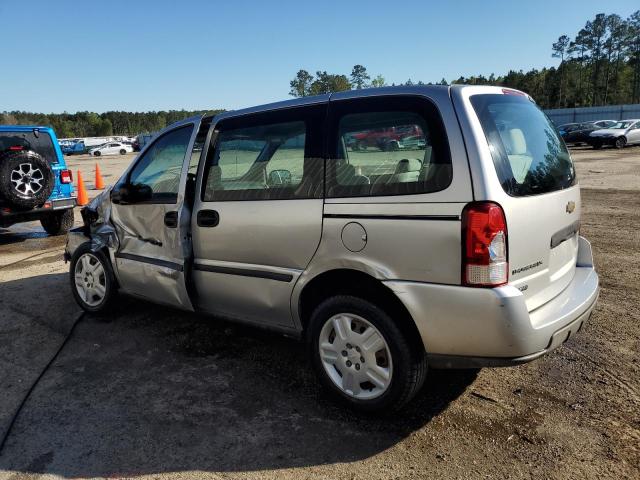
(267, 156)
(529, 156)
(39, 142)
(387, 146)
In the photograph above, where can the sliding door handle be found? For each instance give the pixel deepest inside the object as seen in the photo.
(171, 219)
(208, 218)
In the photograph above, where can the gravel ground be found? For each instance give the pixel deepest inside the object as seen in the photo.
(152, 392)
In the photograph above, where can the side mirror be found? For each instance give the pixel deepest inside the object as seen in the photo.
(129, 193)
(279, 178)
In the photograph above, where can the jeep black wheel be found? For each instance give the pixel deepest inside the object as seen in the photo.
(26, 179)
(58, 223)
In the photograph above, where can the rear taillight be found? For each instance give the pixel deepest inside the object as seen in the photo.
(484, 245)
(66, 176)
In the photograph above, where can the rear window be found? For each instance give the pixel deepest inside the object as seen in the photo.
(529, 156)
(39, 142)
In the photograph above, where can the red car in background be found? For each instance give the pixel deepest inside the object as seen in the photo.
(385, 138)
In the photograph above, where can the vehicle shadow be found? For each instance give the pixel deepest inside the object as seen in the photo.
(148, 389)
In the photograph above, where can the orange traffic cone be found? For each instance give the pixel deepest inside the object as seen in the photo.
(83, 198)
(99, 183)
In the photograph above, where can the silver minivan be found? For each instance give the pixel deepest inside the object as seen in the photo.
(392, 229)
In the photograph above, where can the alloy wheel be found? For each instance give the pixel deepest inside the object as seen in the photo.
(27, 180)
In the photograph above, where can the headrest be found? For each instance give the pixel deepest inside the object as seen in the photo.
(408, 165)
(517, 143)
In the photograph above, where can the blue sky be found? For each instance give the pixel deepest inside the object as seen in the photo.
(140, 55)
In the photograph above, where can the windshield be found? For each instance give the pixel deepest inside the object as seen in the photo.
(529, 156)
(621, 125)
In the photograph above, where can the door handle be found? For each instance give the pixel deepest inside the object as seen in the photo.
(171, 219)
(208, 218)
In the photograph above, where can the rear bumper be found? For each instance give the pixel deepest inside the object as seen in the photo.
(472, 327)
(10, 217)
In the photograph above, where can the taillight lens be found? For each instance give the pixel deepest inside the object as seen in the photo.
(484, 247)
(66, 176)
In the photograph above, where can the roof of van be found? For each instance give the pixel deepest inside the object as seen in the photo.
(316, 99)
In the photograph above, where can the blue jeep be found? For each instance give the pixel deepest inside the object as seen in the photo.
(35, 183)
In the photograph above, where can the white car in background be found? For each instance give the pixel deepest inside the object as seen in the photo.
(111, 148)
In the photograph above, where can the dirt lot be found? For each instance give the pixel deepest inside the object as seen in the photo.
(159, 393)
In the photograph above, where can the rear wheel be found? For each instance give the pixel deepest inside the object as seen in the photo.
(621, 142)
(58, 223)
(362, 357)
(92, 280)
(123, 151)
(26, 179)
(596, 145)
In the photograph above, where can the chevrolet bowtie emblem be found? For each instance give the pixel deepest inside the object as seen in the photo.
(571, 206)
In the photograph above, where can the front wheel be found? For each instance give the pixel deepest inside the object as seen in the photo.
(92, 280)
(96, 154)
(621, 142)
(123, 152)
(58, 223)
(361, 356)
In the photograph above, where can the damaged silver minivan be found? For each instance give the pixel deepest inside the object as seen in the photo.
(392, 229)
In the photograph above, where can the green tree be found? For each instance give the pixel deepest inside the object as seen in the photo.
(329, 83)
(560, 49)
(301, 84)
(378, 82)
(359, 77)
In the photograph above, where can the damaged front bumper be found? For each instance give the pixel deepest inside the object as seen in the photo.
(97, 227)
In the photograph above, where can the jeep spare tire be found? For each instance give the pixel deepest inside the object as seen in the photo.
(26, 179)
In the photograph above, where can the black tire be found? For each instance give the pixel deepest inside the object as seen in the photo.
(96, 154)
(409, 365)
(596, 146)
(621, 142)
(26, 179)
(109, 279)
(393, 146)
(123, 152)
(58, 223)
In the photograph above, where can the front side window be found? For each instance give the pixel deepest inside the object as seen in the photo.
(262, 161)
(390, 146)
(529, 156)
(161, 165)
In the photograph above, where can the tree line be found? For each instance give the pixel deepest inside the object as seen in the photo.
(90, 124)
(599, 66)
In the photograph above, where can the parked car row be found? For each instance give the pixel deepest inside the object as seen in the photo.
(601, 133)
(97, 145)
